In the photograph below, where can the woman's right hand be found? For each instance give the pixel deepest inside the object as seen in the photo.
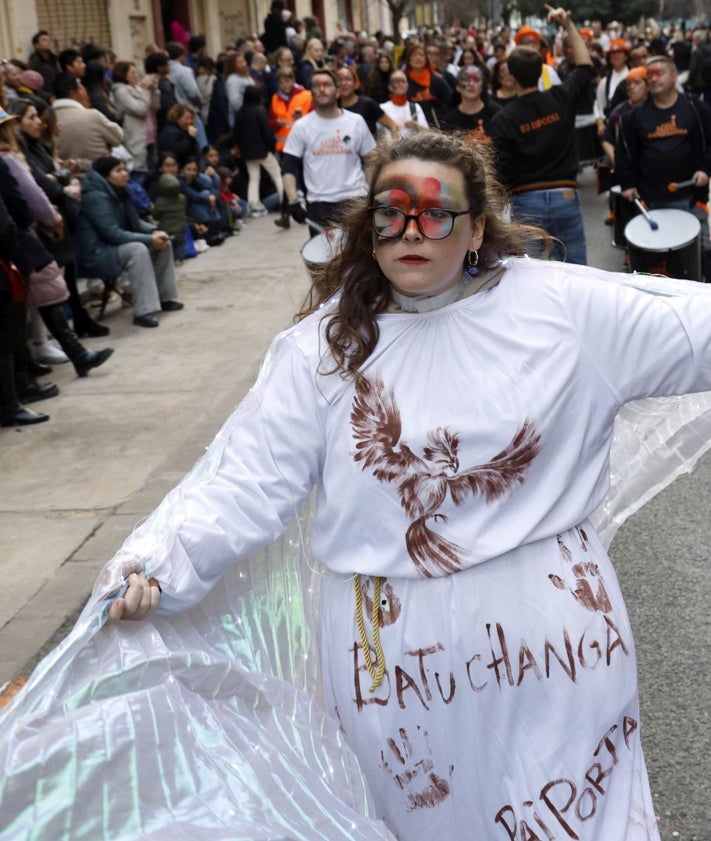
(140, 599)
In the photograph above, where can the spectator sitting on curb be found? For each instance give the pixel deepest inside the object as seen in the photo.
(113, 239)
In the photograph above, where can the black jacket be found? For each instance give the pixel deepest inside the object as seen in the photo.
(183, 145)
(252, 133)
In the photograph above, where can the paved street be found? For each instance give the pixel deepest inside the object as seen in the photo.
(71, 489)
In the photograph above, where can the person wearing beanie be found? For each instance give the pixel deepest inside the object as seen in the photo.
(113, 239)
(616, 72)
(636, 85)
(29, 82)
(528, 37)
(620, 212)
(637, 57)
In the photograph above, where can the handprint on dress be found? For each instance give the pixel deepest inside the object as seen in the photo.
(390, 605)
(422, 787)
(587, 586)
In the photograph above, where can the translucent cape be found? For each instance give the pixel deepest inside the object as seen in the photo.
(207, 724)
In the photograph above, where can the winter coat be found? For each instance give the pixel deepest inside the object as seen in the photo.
(134, 105)
(43, 169)
(170, 205)
(107, 219)
(86, 134)
(183, 145)
(218, 118)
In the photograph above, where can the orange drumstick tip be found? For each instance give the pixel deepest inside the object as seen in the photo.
(671, 187)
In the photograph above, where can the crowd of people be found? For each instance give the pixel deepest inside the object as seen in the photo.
(179, 152)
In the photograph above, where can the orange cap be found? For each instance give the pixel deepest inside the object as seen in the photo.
(618, 45)
(586, 33)
(637, 73)
(526, 31)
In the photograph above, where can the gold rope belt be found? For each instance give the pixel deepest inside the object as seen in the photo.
(376, 669)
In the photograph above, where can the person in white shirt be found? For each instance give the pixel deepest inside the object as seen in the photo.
(617, 72)
(328, 146)
(405, 114)
(451, 404)
(454, 407)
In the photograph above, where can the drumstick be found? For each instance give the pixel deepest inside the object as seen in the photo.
(652, 224)
(314, 225)
(673, 186)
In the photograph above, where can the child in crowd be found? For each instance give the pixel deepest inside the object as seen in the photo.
(203, 201)
(170, 211)
(237, 208)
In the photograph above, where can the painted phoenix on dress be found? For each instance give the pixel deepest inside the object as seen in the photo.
(423, 481)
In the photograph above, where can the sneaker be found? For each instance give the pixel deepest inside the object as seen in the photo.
(258, 212)
(201, 246)
(48, 353)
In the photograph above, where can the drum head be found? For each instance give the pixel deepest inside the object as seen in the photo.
(320, 249)
(677, 228)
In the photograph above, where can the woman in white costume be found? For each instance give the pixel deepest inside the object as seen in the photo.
(453, 406)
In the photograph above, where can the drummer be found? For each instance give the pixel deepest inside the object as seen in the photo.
(663, 153)
(636, 86)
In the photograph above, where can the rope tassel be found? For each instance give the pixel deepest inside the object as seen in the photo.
(376, 669)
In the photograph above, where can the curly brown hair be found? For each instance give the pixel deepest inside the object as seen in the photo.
(352, 330)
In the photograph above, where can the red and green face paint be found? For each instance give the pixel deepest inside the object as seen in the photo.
(421, 198)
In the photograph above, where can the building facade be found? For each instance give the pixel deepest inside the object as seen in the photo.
(129, 26)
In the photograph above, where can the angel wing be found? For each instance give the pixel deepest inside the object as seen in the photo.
(498, 476)
(375, 419)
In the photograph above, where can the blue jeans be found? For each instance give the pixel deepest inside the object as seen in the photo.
(558, 212)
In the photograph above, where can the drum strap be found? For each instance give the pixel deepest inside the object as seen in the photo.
(376, 669)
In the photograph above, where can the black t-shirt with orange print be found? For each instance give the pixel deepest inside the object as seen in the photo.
(659, 146)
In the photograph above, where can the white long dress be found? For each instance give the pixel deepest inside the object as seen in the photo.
(461, 472)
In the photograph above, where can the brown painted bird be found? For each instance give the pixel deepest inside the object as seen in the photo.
(423, 482)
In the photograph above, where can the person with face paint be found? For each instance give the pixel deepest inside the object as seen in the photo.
(406, 115)
(328, 146)
(452, 403)
(476, 110)
(352, 100)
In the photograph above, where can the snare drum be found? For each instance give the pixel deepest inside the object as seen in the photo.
(624, 211)
(320, 249)
(674, 249)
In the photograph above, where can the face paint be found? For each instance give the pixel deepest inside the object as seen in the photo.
(414, 196)
(421, 198)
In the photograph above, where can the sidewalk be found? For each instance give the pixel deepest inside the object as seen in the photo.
(73, 488)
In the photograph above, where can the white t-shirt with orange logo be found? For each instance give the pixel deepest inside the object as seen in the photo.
(331, 151)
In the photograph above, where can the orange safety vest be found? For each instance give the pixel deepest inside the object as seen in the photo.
(282, 110)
